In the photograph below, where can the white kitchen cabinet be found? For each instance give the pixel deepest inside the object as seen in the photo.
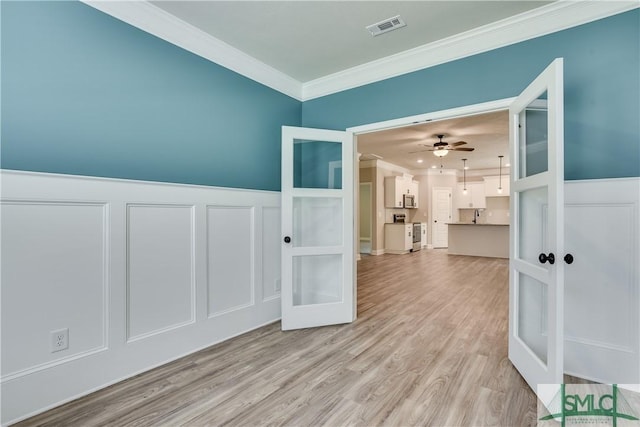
(491, 184)
(423, 234)
(413, 190)
(398, 238)
(394, 189)
(473, 199)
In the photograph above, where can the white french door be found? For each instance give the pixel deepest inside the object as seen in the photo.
(318, 282)
(536, 267)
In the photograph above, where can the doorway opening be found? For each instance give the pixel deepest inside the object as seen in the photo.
(404, 148)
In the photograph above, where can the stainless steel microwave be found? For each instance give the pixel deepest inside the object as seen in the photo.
(409, 201)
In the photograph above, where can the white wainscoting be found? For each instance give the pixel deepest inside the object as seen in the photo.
(141, 273)
(602, 301)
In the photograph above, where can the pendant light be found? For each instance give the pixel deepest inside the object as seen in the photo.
(464, 176)
(500, 176)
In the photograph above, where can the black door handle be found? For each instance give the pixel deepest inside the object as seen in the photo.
(568, 258)
(287, 239)
(544, 258)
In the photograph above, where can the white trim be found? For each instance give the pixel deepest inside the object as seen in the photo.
(378, 252)
(158, 22)
(551, 18)
(89, 178)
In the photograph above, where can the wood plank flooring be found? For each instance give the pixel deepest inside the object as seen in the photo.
(429, 348)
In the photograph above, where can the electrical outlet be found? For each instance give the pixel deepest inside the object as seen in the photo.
(59, 340)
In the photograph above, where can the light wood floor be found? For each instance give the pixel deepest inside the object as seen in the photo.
(429, 348)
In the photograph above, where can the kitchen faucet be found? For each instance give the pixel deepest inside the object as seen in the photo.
(476, 215)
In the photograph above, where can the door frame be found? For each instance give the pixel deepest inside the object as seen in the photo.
(451, 113)
(467, 110)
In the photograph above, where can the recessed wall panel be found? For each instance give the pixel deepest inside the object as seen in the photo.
(160, 268)
(271, 252)
(53, 277)
(601, 297)
(230, 259)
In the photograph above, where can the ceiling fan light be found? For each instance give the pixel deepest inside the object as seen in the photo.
(440, 152)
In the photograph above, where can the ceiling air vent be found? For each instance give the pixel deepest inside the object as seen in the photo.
(385, 26)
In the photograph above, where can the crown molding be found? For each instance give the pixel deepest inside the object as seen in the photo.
(553, 17)
(156, 21)
(548, 19)
(381, 164)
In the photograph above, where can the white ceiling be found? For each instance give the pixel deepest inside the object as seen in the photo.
(307, 40)
(487, 133)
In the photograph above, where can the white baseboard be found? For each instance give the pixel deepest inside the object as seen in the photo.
(378, 252)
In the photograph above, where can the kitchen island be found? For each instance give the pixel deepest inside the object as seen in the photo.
(487, 240)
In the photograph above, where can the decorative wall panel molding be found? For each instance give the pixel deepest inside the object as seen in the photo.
(54, 254)
(160, 268)
(271, 258)
(230, 245)
(602, 323)
(129, 267)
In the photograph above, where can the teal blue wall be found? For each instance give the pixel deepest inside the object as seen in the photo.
(84, 93)
(602, 92)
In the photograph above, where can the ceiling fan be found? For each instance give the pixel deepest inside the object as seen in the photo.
(441, 148)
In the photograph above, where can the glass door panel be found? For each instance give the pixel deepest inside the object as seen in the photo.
(317, 164)
(317, 221)
(532, 321)
(532, 224)
(317, 279)
(534, 146)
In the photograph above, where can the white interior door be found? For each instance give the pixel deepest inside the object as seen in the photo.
(536, 268)
(441, 212)
(318, 282)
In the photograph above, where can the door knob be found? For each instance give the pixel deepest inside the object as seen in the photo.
(287, 239)
(568, 258)
(544, 258)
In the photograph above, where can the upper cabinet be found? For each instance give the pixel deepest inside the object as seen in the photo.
(395, 187)
(474, 198)
(413, 190)
(491, 184)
